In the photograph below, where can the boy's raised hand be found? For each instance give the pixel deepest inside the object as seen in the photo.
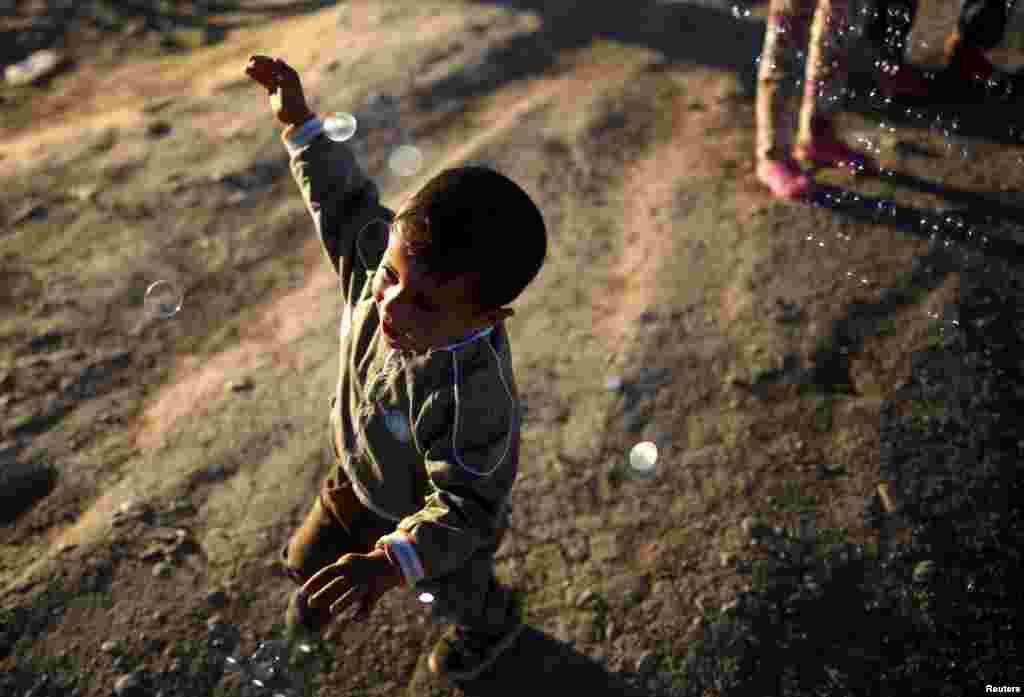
(282, 83)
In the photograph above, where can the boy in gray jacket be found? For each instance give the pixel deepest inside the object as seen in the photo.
(424, 423)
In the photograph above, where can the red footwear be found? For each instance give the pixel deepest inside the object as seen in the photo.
(784, 178)
(828, 151)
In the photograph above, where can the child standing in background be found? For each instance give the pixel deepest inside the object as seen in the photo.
(817, 27)
(424, 423)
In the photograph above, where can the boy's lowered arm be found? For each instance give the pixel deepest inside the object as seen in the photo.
(471, 472)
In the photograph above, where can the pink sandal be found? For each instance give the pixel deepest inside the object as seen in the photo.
(784, 178)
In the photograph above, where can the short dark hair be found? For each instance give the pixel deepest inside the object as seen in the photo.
(473, 218)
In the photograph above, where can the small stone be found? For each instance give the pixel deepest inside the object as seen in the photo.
(726, 559)
(110, 646)
(698, 602)
(37, 66)
(246, 383)
(163, 570)
(158, 129)
(153, 553)
(696, 623)
(128, 685)
(647, 663)
(158, 616)
(217, 599)
(584, 598)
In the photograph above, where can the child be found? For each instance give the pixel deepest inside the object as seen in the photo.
(796, 26)
(425, 419)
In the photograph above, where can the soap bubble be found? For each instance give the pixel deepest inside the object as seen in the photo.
(405, 160)
(642, 459)
(340, 126)
(426, 598)
(163, 299)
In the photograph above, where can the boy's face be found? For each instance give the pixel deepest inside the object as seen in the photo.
(417, 311)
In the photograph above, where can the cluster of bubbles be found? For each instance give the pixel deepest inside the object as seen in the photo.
(269, 671)
(382, 115)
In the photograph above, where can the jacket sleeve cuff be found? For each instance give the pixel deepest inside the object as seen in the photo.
(398, 547)
(296, 138)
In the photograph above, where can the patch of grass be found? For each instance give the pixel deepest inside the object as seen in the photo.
(136, 296)
(200, 662)
(760, 575)
(64, 672)
(631, 600)
(936, 334)
(247, 598)
(823, 416)
(102, 600)
(829, 538)
(599, 628)
(887, 327)
(791, 500)
(923, 412)
(199, 615)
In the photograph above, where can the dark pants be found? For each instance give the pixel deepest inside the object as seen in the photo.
(982, 24)
(338, 524)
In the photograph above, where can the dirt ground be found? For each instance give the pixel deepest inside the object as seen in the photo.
(668, 266)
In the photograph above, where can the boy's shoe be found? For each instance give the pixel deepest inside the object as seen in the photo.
(785, 179)
(462, 654)
(832, 152)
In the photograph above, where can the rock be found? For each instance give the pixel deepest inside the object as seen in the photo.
(217, 599)
(163, 570)
(157, 129)
(37, 66)
(130, 685)
(748, 525)
(213, 473)
(153, 553)
(153, 647)
(647, 663)
(243, 385)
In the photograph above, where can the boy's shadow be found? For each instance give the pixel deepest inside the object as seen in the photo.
(534, 665)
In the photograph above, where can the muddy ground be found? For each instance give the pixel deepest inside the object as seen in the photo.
(176, 455)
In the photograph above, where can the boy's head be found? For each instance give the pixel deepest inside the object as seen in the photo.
(463, 246)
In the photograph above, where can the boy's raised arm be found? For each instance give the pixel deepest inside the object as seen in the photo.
(342, 200)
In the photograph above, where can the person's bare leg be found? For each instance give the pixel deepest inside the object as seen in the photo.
(786, 36)
(817, 142)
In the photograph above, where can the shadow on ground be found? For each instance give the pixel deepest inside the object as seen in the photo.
(534, 665)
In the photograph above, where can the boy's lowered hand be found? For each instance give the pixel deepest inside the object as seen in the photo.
(360, 579)
(287, 100)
